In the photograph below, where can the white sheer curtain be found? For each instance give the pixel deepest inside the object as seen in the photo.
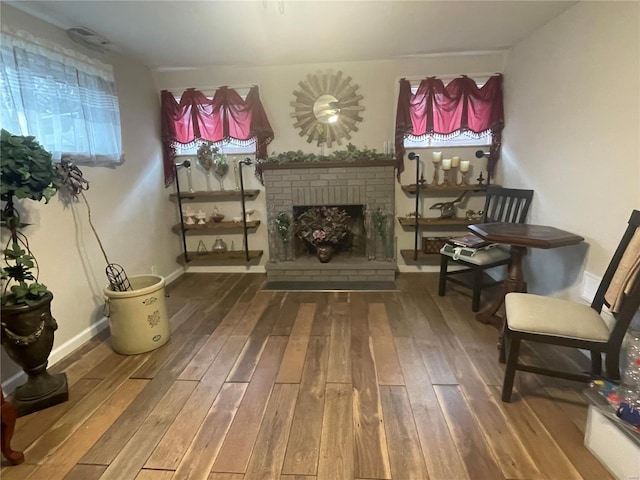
(64, 99)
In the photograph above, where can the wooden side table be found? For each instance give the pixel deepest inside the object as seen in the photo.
(7, 426)
(520, 236)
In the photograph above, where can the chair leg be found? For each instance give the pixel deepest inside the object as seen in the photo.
(477, 290)
(596, 363)
(502, 344)
(612, 363)
(513, 350)
(442, 281)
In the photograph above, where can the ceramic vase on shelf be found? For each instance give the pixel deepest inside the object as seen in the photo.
(219, 246)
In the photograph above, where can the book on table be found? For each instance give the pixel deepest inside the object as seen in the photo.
(470, 241)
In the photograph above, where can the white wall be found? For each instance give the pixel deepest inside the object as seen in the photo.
(129, 206)
(572, 114)
(378, 84)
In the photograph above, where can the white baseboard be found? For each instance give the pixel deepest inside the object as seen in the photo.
(228, 269)
(58, 353)
(174, 275)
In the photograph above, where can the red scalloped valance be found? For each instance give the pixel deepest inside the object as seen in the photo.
(439, 110)
(226, 116)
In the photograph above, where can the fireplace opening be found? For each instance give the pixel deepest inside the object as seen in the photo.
(354, 243)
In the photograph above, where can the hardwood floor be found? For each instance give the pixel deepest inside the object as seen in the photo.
(308, 386)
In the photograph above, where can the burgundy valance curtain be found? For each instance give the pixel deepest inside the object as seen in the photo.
(441, 111)
(226, 116)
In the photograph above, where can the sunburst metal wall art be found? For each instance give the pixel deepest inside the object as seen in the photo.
(327, 108)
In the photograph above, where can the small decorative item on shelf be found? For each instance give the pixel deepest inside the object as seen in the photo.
(446, 169)
(448, 209)
(236, 176)
(201, 217)
(437, 161)
(206, 152)
(189, 179)
(248, 212)
(480, 179)
(216, 216)
(433, 244)
(464, 171)
(323, 227)
(188, 216)
(473, 215)
(220, 168)
(219, 246)
(202, 248)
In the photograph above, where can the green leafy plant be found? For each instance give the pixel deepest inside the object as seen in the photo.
(378, 221)
(320, 225)
(283, 225)
(26, 172)
(351, 154)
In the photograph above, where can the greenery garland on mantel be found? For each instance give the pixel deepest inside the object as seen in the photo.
(351, 155)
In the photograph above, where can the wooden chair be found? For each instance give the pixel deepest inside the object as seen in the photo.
(536, 318)
(501, 205)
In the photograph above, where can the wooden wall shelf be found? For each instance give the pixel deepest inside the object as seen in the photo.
(211, 228)
(235, 257)
(213, 195)
(426, 189)
(409, 222)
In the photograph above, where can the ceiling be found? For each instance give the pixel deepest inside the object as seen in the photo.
(189, 34)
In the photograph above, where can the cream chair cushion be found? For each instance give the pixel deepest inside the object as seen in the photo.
(554, 316)
(477, 256)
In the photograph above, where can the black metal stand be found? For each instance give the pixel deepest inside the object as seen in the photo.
(413, 156)
(245, 162)
(185, 164)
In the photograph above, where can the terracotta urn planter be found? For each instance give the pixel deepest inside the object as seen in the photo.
(27, 337)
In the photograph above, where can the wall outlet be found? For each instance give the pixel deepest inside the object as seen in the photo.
(154, 270)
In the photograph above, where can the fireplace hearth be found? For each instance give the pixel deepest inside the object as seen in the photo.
(360, 188)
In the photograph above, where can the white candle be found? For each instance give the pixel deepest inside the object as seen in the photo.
(464, 165)
(455, 162)
(446, 164)
(437, 157)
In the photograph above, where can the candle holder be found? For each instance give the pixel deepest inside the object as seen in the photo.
(436, 174)
(464, 180)
(446, 178)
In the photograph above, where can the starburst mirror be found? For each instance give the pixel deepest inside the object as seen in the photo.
(327, 108)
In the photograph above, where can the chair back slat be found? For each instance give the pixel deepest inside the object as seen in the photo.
(631, 301)
(506, 204)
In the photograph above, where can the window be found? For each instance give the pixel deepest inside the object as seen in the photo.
(229, 146)
(226, 119)
(462, 139)
(63, 98)
(452, 114)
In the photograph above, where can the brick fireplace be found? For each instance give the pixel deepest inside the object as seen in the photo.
(359, 185)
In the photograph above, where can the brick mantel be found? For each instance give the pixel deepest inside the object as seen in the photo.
(305, 165)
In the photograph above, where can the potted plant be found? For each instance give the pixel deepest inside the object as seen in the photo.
(27, 326)
(323, 227)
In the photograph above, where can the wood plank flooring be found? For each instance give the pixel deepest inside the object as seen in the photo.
(309, 386)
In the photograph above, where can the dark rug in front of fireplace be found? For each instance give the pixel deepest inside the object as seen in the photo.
(332, 286)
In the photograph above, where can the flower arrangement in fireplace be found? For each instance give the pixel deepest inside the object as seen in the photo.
(322, 225)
